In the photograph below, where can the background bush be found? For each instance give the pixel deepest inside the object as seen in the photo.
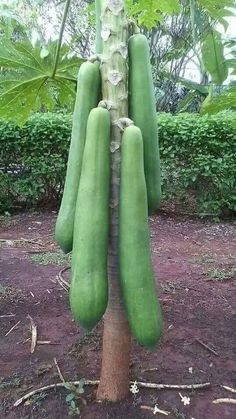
(33, 161)
(197, 155)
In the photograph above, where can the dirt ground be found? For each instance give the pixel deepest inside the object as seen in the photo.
(195, 266)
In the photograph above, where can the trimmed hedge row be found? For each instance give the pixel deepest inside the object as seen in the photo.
(197, 154)
(198, 157)
(33, 161)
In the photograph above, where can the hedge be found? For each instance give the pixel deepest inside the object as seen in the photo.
(197, 154)
(198, 157)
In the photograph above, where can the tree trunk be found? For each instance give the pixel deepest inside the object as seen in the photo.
(114, 381)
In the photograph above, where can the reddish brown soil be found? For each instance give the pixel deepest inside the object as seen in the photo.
(194, 307)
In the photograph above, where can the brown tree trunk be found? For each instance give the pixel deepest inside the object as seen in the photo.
(114, 381)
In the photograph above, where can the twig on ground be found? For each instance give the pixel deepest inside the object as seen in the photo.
(207, 347)
(46, 342)
(61, 277)
(54, 281)
(33, 335)
(155, 410)
(150, 369)
(62, 285)
(7, 315)
(230, 401)
(232, 390)
(35, 251)
(61, 281)
(59, 371)
(96, 382)
(51, 387)
(172, 386)
(22, 239)
(12, 328)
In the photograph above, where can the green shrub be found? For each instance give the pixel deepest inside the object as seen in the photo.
(33, 161)
(198, 157)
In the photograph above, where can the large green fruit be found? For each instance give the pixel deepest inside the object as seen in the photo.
(142, 110)
(136, 273)
(89, 283)
(88, 90)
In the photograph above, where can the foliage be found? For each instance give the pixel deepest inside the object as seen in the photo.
(74, 397)
(33, 161)
(28, 88)
(149, 12)
(218, 274)
(35, 77)
(226, 100)
(213, 56)
(197, 155)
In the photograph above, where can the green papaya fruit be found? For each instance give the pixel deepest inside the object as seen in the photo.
(136, 273)
(88, 92)
(89, 283)
(142, 110)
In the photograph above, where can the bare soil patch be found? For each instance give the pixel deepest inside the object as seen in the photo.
(195, 266)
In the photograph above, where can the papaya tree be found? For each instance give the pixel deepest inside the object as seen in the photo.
(108, 193)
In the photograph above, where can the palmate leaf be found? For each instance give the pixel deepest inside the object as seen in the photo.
(25, 79)
(149, 12)
(213, 56)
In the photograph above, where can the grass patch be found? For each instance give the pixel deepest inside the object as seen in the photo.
(8, 221)
(217, 274)
(206, 259)
(10, 382)
(51, 258)
(168, 287)
(10, 294)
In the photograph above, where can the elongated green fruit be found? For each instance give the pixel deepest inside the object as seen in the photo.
(86, 98)
(136, 274)
(99, 41)
(89, 283)
(142, 110)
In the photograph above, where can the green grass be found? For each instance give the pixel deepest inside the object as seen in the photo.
(8, 221)
(168, 287)
(217, 274)
(206, 259)
(51, 258)
(10, 382)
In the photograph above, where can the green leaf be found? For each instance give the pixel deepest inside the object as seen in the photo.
(17, 103)
(231, 63)
(183, 103)
(70, 397)
(213, 56)
(72, 404)
(25, 80)
(44, 53)
(149, 12)
(207, 101)
(192, 85)
(226, 100)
